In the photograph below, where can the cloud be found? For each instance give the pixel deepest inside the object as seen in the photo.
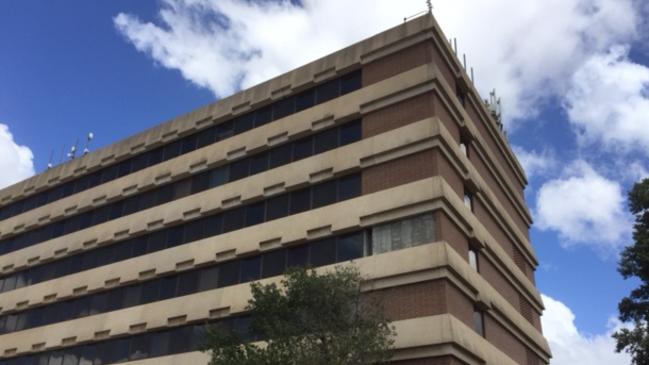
(224, 45)
(584, 208)
(535, 163)
(608, 102)
(16, 161)
(570, 347)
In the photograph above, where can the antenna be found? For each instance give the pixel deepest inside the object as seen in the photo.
(472, 79)
(73, 150)
(89, 138)
(49, 162)
(429, 3)
(495, 107)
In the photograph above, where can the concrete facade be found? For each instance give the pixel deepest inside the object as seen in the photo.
(427, 147)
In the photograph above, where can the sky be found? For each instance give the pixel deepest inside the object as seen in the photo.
(573, 76)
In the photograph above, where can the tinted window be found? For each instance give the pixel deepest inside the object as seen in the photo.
(277, 207)
(171, 150)
(324, 194)
(302, 148)
(233, 219)
(326, 141)
(229, 273)
(255, 214)
(239, 169)
(350, 132)
(187, 283)
(213, 225)
(349, 187)
(263, 116)
(200, 182)
(298, 256)
(258, 163)
(224, 130)
(283, 108)
(150, 291)
(160, 343)
(273, 263)
(300, 201)
(205, 137)
(323, 252)
(194, 230)
(243, 123)
(327, 91)
(219, 176)
(140, 347)
(280, 155)
(132, 295)
(175, 236)
(350, 82)
(305, 100)
(168, 287)
(250, 269)
(350, 247)
(209, 279)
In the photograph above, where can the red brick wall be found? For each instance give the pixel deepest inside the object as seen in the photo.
(398, 172)
(397, 115)
(396, 63)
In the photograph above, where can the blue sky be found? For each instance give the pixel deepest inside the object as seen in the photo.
(575, 89)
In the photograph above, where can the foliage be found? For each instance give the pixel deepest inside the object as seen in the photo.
(308, 319)
(634, 262)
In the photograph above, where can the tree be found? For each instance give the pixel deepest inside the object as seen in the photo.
(634, 262)
(309, 319)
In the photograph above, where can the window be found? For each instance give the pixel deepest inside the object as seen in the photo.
(255, 213)
(283, 108)
(250, 269)
(171, 150)
(327, 91)
(326, 140)
(132, 296)
(243, 123)
(219, 176)
(229, 273)
(187, 283)
(478, 322)
(302, 148)
(213, 225)
(277, 207)
(324, 194)
(206, 137)
(323, 252)
(350, 247)
(182, 188)
(70, 358)
(258, 163)
(473, 259)
(233, 219)
(188, 144)
(404, 233)
(160, 343)
(209, 279)
(168, 287)
(298, 256)
(273, 263)
(239, 169)
(350, 82)
(224, 130)
(140, 347)
(200, 182)
(194, 230)
(350, 132)
(463, 149)
(305, 100)
(280, 155)
(263, 116)
(300, 201)
(150, 291)
(349, 187)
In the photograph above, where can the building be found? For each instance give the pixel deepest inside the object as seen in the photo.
(382, 152)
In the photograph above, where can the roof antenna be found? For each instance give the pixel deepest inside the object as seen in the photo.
(429, 3)
(73, 150)
(86, 150)
(49, 163)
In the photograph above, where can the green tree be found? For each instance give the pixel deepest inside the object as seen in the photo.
(309, 319)
(634, 262)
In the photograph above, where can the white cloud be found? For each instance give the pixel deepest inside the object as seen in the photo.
(608, 101)
(535, 163)
(570, 347)
(225, 44)
(15, 160)
(584, 208)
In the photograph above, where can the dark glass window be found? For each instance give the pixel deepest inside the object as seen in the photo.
(171, 150)
(243, 123)
(150, 291)
(305, 100)
(209, 279)
(194, 230)
(298, 256)
(155, 156)
(168, 287)
(350, 247)
(350, 82)
(70, 358)
(323, 252)
(239, 169)
(219, 176)
(263, 116)
(124, 168)
(132, 296)
(327, 91)
(273, 263)
(255, 214)
(56, 358)
(350, 132)
(280, 155)
(200, 182)
(187, 283)
(182, 188)
(140, 347)
(224, 130)
(206, 137)
(302, 148)
(300, 201)
(213, 225)
(175, 236)
(277, 207)
(160, 343)
(283, 108)
(325, 141)
(478, 322)
(233, 219)
(139, 162)
(349, 187)
(229, 273)
(258, 163)
(324, 194)
(250, 269)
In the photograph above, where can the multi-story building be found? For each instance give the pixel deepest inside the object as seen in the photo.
(382, 153)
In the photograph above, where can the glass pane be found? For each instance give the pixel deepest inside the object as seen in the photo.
(229, 273)
(326, 141)
(473, 260)
(327, 91)
(283, 108)
(168, 287)
(200, 182)
(381, 239)
(194, 230)
(350, 132)
(350, 82)
(233, 219)
(305, 99)
(298, 256)
(263, 116)
(239, 169)
(243, 123)
(273, 263)
(302, 148)
(219, 176)
(250, 269)
(224, 130)
(478, 323)
(323, 252)
(255, 214)
(209, 278)
(324, 194)
(182, 188)
(187, 283)
(350, 247)
(160, 343)
(171, 150)
(132, 296)
(300, 201)
(258, 163)
(140, 346)
(277, 207)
